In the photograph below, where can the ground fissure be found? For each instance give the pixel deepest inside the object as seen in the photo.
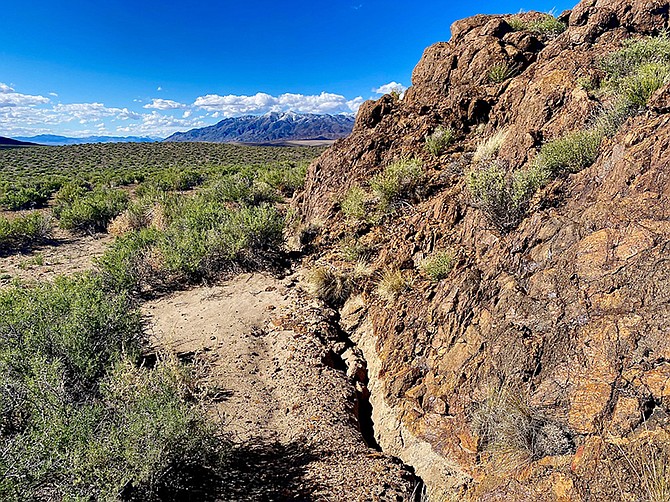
(264, 349)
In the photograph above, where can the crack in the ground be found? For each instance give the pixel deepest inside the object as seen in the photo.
(357, 369)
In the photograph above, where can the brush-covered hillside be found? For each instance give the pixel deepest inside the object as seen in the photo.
(496, 242)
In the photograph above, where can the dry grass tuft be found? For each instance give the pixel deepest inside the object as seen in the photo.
(391, 284)
(488, 149)
(328, 284)
(514, 433)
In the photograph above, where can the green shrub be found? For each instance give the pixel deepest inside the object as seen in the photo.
(503, 196)
(525, 182)
(139, 438)
(247, 235)
(179, 179)
(93, 211)
(390, 188)
(229, 188)
(284, 178)
(546, 25)
(397, 182)
(516, 23)
(158, 440)
(241, 189)
(171, 180)
(634, 54)
(68, 194)
(439, 140)
(589, 84)
(191, 222)
(354, 204)
(490, 191)
(636, 88)
(20, 198)
(638, 69)
(71, 321)
(201, 238)
(183, 252)
(261, 227)
(570, 153)
(27, 196)
(24, 231)
(124, 267)
(438, 265)
(502, 71)
(78, 420)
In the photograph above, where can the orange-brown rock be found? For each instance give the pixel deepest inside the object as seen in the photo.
(570, 311)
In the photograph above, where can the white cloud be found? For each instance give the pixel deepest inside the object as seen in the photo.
(90, 112)
(10, 98)
(164, 104)
(389, 88)
(26, 115)
(160, 125)
(234, 105)
(355, 104)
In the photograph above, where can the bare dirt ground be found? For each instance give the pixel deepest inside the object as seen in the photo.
(284, 397)
(66, 254)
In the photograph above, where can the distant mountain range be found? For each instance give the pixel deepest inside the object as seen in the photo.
(271, 128)
(11, 143)
(54, 140)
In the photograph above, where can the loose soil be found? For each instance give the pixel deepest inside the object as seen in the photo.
(66, 254)
(279, 393)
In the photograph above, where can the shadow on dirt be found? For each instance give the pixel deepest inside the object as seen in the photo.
(268, 472)
(251, 472)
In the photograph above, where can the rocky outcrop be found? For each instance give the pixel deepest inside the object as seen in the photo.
(558, 329)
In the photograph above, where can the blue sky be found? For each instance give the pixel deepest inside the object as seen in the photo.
(152, 68)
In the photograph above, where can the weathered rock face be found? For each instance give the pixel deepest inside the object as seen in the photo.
(563, 321)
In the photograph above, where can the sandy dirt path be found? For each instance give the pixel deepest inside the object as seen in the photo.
(284, 398)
